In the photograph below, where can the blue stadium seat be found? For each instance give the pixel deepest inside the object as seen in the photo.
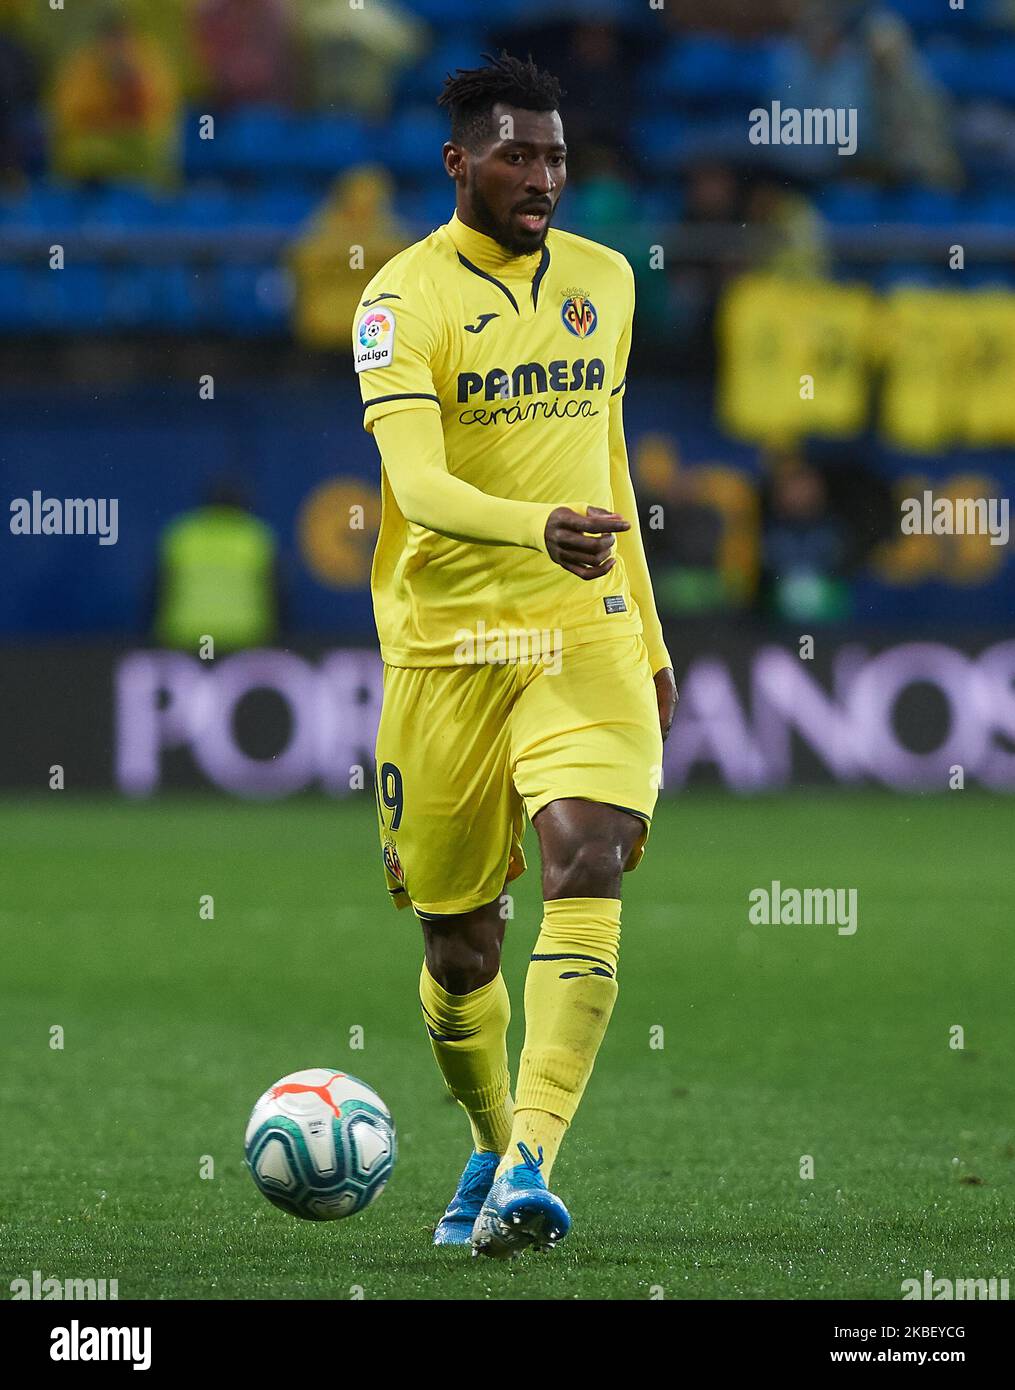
(411, 144)
(582, 11)
(971, 71)
(922, 207)
(279, 205)
(181, 298)
(15, 309)
(44, 207)
(962, 69)
(72, 300)
(988, 277)
(257, 140)
(253, 140)
(441, 13)
(422, 81)
(132, 293)
(993, 209)
(658, 138)
(203, 207)
(660, 205)
(251, 299)
(924, 16)
(851, 204)
(1000, 74)
(325, 144)
(122, 206)
(170, 298)
(427, 207)
(200, 157)
(704, 69)
(718, 136)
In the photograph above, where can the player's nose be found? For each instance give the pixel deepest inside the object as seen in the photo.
(541, 179)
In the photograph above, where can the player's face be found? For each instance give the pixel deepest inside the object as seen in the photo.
(509, 189)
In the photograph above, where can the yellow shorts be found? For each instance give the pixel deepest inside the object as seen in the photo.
(464, 752)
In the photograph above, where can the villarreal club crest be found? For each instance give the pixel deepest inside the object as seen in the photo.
(579, 315)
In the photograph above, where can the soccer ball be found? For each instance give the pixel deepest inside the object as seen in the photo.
(320, 1144)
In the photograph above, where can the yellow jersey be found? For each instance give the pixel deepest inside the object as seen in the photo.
(521, 356)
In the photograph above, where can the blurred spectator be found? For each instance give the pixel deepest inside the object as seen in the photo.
(602, 205)
(356, 213)
(115, 109)
(52, 38)
(596, 66)
(18, 94)
(700, 528)
(249, 50)
(732, 17)
(354, 54)
(685, 553)
(986, 133)
(790, 234)
(804, 547)
(822, 66)
(715, 206)
(600, 64)
(218, 576)
(913, 120)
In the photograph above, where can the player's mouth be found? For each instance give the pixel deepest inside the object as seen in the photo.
(534, 219)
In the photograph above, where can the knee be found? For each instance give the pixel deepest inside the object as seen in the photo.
(590, 868)
(461, 964)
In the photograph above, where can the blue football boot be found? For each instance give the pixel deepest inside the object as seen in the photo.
(520, 1212)
(455, 1226)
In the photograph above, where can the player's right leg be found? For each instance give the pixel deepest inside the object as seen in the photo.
(451, 825)
(466, 1011)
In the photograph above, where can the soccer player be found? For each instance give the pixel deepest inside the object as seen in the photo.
(525, 670)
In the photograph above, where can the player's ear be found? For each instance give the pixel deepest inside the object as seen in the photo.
(454, 160)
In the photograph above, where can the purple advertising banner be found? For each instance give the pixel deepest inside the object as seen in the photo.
(914, 716)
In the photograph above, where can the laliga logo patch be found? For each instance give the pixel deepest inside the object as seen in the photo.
(579, 315)
(375, 339)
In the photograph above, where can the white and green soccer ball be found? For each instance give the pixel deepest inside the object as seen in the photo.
(320, 1144)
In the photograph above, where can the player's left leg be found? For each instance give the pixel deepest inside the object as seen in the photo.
(571, 983)
(589, 751)
(570, 991)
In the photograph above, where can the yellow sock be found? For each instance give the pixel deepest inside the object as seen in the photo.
(570, 990)
(468, 1034)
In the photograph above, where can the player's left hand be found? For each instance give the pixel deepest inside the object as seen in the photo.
(666, 694)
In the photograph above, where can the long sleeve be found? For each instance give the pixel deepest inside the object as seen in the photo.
(630, 546)
(412, 451)
(629, 543)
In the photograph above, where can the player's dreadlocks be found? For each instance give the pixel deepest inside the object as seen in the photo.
(472, 93)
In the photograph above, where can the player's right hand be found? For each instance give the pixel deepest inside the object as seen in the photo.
(583, 544)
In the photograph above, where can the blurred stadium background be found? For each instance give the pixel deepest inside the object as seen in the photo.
(183, 186)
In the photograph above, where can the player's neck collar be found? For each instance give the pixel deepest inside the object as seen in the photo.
(488, 259)
(488, 254)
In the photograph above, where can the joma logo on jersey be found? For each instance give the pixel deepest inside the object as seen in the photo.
(532, 379)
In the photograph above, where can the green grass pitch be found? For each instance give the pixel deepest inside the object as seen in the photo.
(682, 1171)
